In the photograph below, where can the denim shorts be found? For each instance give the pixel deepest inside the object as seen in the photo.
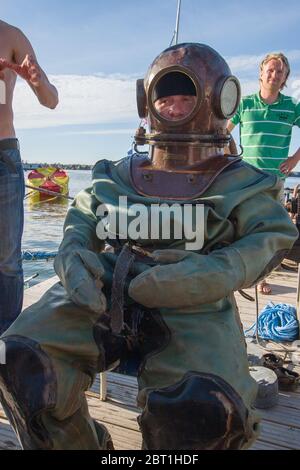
(11, 229)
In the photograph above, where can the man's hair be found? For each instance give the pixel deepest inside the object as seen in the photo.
(277, 56)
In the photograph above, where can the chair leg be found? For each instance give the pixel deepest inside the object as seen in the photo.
(103, 386)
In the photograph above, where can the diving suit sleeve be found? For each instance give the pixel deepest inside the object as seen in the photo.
(77, 263)
(81, 223)
(264, 234)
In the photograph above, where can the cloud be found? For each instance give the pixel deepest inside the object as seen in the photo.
(293, 55)
(93, 99)
(244, 63)
(295, 89)
(100, 132)
(106, 99)
(250, 63)
(249, 87)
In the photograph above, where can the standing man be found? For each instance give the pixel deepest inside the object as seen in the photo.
(266, 120)
(16, 56)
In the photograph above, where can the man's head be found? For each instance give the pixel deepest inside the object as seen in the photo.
(174, 96)
(274, 72)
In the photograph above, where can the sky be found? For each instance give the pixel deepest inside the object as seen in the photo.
(93, 52)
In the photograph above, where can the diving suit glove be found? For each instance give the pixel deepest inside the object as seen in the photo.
(80, 272)
(186, 279)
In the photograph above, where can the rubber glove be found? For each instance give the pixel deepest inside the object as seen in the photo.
(187, 279)
(80, 272)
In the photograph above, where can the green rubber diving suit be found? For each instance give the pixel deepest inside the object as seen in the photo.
(195, 325)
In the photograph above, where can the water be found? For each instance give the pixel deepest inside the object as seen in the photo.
(43, 228)
(44, 224)
(291, 182)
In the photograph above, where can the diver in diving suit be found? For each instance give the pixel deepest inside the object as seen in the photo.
(152, 302)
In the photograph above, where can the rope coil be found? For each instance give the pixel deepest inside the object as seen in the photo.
(276, 322)
(38, 255)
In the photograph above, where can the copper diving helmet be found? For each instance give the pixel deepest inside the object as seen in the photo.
(187, 149)
(188, 69)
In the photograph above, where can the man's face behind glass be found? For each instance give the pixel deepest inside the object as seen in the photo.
(175, 107)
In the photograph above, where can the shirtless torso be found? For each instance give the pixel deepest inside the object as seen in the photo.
(16, 49)
(7, 49)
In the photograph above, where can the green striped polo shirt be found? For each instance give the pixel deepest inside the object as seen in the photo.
(266, 130)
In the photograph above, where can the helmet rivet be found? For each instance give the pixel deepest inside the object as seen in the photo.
(147, 176)
(191, 179)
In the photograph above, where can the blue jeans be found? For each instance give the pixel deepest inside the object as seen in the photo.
(11, 229)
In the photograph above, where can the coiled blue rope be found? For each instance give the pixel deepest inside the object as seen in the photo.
(276, 322)
(38, 255)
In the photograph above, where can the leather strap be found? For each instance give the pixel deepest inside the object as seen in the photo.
(128, 255)
(122, 268)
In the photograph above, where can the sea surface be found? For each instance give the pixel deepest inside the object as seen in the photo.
(44, 221)
(43, 226)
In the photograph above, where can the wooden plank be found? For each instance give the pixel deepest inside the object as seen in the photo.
(280, 425)
(128, 380)
(261, 445)
(289, 399)
(281, 414)
(124, 439)
(110, 412)
(249, 307)
(279, 434)
(8, 439)
(120, 388)
(33, 294)
(120, 379)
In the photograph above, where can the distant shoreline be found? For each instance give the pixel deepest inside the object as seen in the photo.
(71, 166)
(78, 166)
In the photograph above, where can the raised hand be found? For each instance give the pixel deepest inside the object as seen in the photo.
(29, 69)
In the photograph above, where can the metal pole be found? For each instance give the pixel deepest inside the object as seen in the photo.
(177, 21)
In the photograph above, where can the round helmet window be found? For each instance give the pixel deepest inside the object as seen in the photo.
(230, 97)
(174, 96)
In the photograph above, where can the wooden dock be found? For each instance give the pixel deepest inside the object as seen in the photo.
(280, 424)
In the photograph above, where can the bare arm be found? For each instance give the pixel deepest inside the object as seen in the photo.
(23, 55)
(289, 164)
